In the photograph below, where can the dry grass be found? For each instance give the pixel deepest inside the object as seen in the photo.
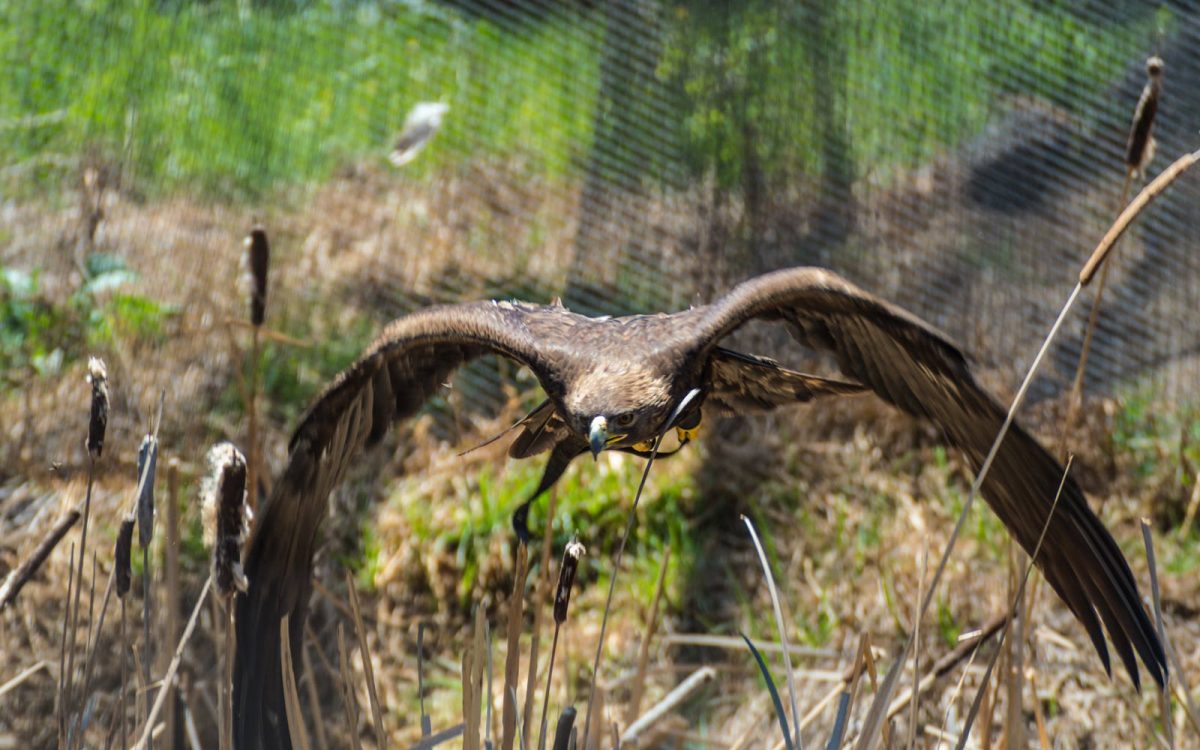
(853, 499)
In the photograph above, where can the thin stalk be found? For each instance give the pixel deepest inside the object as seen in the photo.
(987, 675)
(1075, 399)
(169, 677)
(781, 626)
(612, 584)
(87, 512)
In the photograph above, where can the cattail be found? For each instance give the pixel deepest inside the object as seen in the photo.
(562, 598)
(147, 461)
(566, 579)
(226, 516)
(260, 259)
(122, 556)
(1139, 149)
(98, 377)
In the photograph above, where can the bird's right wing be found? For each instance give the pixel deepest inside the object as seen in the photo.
(918, 369)
(391, 381)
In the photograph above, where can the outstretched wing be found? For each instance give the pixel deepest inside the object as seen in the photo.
(741, 383)
(391, 381)
(916, 368)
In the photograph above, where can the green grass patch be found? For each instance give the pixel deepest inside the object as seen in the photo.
(233, 98)
(42, 334)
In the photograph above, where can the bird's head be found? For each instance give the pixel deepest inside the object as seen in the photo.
(618, 405)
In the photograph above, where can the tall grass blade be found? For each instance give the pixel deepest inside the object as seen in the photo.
(779, 624)
(780, 712)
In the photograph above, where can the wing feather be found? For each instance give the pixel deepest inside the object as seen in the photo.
(390, 381)
(741, 383)
(918, 369)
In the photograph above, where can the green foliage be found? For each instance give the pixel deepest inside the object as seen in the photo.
(1153, 441)
(225, 96)
(821, 88)
(42, 334)
(593, 503)
(234, 98)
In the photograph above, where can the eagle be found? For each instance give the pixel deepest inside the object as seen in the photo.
(620, 383)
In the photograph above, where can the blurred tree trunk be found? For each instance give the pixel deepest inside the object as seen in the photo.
(629, 142)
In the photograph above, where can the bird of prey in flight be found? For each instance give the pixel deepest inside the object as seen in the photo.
(615, 384)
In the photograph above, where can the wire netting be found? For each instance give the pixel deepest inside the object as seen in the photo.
(958, 158)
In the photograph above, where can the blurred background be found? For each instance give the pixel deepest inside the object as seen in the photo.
(960, 159)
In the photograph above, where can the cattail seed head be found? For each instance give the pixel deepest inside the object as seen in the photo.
(566, 579)
(1139, 148)
(260, 259)
(226, 516)
(98, 377)
(121, 571)
(147, 462)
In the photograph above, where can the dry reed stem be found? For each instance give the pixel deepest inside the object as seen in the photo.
(1075, 398)
(512, 660)
(966, 730)
(268, 334)
(669, 703)
(1131, 212)
(291, 698)
(639, 680)
(90, 661)
(169, 677)
(122, 709)
(72, 645)
(29, 567)
(1135, 207)
(1164, 696)
(23, 675)
(967, 648)
(172, 592)
(1014, 724)
(540, 589)
(587, 721)
(62, 653)
(361, 631)
(1043, 735)
(472, 675)
(349, 701)
(314, 700)
(426, 722)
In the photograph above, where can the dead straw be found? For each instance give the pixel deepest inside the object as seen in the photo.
(639, 680)
(169, 677)
(975, 704)
(612, 584)
(29, 567)
(291, 697)
(512, 660)
(541, 588)
(360, 631)
(349, 701)
(1164, 695)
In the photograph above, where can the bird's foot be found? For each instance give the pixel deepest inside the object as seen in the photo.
(687, 434)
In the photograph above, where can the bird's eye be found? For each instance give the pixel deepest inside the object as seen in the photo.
(624, 420)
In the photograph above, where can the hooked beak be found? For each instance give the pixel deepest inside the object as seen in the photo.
(598, 436)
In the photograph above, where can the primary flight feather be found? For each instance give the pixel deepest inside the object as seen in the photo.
(614, 384)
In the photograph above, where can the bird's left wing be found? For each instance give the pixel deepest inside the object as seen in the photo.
(916, 368)
(391, 381)
(741, 383)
